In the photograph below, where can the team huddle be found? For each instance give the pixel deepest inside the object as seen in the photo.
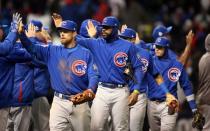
(103, 78)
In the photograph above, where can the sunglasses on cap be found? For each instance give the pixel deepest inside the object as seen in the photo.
(159, 47)
(106, 27)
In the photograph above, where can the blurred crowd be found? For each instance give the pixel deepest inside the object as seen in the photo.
(141, 15)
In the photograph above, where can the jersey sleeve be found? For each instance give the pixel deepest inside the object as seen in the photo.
(7, 45)
(93, 74)
(36, 49)
(187, 87)
(137, 67)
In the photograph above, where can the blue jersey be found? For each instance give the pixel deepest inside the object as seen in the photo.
(146, 60)
(112, 57)
(72, 70)
(7, 72)
(7, 45)
(172, 72)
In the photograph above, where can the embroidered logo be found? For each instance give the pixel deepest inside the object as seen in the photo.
(145, 64)
(79, 67)
(174, 74)
(120, 59)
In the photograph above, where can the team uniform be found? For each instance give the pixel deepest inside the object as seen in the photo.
(72, 70)
(203, 92)
(172, 72)
(111, 56)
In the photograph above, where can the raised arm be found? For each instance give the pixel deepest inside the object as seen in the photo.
(35, 48)
(7, 45)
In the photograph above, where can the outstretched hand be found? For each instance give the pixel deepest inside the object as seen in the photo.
(189, 37)
(16, 20)
(91, 29)
(31, 31)
(57, 19)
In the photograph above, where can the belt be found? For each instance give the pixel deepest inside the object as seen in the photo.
(62, 96)
(111, 85)
(157, 100)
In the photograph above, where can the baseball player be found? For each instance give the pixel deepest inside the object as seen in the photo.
(160, 31)
(163, 117)
(138, 110)
(24, 92)
(203, 92)
(73, 73)
(112, 54)
(7, 69)
(40, 105)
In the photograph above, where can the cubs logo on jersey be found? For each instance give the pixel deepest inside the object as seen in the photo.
(145, 64)
(120, 59)
(174, 74)
(79, 67)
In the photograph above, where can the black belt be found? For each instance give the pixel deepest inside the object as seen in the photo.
(62, 96)
(112, 85)
(157, 100)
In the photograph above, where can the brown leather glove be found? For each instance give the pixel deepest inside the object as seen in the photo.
(173, 104)
(85, 96)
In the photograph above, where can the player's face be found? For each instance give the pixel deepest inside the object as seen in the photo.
(1, 34)
(106, 31)
(66, 36)
(159, 51)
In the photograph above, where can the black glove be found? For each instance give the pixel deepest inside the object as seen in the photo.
(198, 120)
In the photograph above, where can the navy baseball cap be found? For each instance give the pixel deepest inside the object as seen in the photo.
(128, 33)
(110, 21)
(162, 41)
(83, 30)
(38, 25)
(160, 31)
(68, 25)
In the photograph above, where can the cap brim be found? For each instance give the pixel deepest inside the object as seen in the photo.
(60, 28)
(3, 26)
(169, 29)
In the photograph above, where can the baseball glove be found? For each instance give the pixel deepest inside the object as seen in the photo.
(198, 120)
(85, 96)
(173, 104)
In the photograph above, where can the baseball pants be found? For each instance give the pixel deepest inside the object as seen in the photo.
(137, 113)
(159, 119)
(40, 114)
(110, 102)
(19, 118)
(64, 116)
(4, 113)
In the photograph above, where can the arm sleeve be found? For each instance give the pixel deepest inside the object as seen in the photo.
(86, 42)
(7, 45)
(37, 51)
(137, 66)
(19, 54)
(187, 87)
(93, 74)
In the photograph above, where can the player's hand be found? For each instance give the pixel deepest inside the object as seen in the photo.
(46, 35)
(189, 37)
(198, 120)
(137, 38)
(21, 28)
(31, 31)
(123, 28)
(91, 29)
(16, 20)
(172, 103)
(133, 98)
(57, 19)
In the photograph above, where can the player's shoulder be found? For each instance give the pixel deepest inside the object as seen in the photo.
(83, 49)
